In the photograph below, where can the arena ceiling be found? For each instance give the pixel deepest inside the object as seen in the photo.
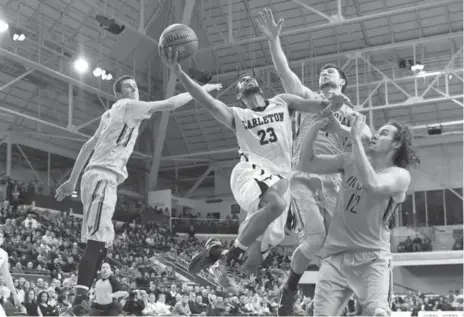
(47, 107)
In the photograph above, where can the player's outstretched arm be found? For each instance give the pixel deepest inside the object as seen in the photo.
(150, 107)
(292, 84)
(216, 107)
(68, 187)
(393, 180)
(309, 162)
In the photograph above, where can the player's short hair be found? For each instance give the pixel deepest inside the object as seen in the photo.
(340, 72)
(118, 83)
(240, 78)
(406, 155)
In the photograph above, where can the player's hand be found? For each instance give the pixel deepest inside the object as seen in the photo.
(212, 87)
(268, 26)
(338, 100)
(358, 126)
(66, 189)
(334, 126)
(169, 58)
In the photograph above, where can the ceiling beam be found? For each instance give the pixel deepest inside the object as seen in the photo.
(53, 73)
(160, 135)
(200, 180)
(42, 146)
(337, 22)
(372, 49)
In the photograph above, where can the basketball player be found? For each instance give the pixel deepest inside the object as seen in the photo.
(356, 254)
(6, 275)
(111, 145)
(258, 182)
(313, 196)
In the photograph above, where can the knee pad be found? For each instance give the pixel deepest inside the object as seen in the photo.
(312, 245)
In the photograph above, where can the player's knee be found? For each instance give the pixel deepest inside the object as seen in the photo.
(276, 204)
(312, 245)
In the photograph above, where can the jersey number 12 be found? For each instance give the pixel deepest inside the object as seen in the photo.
(352, 203)
(267, 136)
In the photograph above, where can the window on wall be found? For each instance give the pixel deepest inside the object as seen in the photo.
(453, 207)
(420, 217)
(435, 208)
(406, 212)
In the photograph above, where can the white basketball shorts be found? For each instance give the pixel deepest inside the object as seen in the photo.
(249, 182)
(98, 196)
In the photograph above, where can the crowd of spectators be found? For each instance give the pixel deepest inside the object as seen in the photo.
(46, 244)
(415, 244)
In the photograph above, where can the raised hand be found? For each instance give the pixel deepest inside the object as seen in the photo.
(212, 87)
(169, 58)
(338, 100)
(358, 126)
(268, 26)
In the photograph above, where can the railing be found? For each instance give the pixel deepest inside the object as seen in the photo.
(203, 225)
(422, 239)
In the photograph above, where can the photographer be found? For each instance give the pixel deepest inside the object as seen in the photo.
(134, 304)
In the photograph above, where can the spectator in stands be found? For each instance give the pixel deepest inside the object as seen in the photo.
(44, 307)
(181, 308)
(160, 308)
(30, 222)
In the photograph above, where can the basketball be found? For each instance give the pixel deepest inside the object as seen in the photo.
(181, 38)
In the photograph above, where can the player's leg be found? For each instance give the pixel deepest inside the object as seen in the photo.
(373, 283)
(332, 292)
(99, 200)
(312, 237)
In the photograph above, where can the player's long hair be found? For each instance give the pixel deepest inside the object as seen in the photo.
(406, 155)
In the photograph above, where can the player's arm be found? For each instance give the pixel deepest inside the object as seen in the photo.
(296, 103)
(345, 131)
(147, 108)
(310, 162)
(68, 187)
(217, 108)
(390, 181)
(292, 84)
(8, 280)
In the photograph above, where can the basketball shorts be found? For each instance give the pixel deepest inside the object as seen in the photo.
(249, 182)
(309, 190)
(98, 196)
(367, 275)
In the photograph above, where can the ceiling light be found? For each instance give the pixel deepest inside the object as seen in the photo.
(81, 65)
(3, 26)
(417, 67)
(97, 72)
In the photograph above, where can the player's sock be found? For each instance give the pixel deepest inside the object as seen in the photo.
(293, 280)
(89, 263)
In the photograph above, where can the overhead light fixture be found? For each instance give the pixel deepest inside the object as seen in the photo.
(74, 194)
(3, 26)
(417, 67)
(19, 37)
(103, 74)
(81, 65)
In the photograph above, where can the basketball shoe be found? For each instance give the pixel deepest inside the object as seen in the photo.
(207, 257)
(287, 302)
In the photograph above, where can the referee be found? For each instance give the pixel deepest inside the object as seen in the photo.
(107, 288)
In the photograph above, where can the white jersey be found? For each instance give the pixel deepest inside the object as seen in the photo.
(119, 131)
(361, 219)
(265, 135)
(325, 143)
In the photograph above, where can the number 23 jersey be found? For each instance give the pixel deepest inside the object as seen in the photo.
(264, 135)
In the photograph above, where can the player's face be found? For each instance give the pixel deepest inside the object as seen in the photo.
(129, 89)
(330, 78)
(383, 140)
(246, 86)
